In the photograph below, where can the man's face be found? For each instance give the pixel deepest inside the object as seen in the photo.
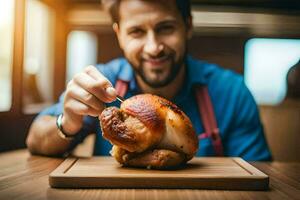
(153, 37)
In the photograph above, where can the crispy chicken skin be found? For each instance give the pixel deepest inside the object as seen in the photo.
(149, 131)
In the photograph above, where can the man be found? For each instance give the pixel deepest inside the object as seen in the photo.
(153, 36)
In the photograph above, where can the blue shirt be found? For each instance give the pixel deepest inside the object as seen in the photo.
(236, 112)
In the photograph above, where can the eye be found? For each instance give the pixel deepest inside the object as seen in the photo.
(166, 29)
(137, 32)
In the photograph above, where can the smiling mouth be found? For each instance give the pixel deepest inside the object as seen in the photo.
(157, 61)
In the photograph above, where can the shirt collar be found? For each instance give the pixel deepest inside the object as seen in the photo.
(195, 71)
(195, 75)
(126, 73)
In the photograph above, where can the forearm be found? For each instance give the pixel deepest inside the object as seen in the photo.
(43, 138)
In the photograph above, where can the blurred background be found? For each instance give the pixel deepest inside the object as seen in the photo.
(43, 43)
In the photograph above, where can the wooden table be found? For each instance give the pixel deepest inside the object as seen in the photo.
(23, 176)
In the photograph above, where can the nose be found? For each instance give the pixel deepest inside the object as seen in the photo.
(153, 46)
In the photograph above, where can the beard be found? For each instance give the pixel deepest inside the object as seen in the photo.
(175, 67)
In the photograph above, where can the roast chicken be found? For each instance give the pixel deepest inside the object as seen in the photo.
(149, 131)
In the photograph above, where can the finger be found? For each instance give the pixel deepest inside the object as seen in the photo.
(80, 108)
(95, 74)
(95, 87)
(85, 97)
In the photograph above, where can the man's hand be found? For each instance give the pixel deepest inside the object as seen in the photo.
(86, 94)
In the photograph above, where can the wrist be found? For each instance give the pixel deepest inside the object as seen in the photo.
(61, 132)
(70, 125)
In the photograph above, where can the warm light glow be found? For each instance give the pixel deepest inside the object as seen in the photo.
(6, 44)
(82, 51)
(38, 54)
(6, 12)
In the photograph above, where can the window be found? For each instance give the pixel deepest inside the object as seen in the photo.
(6, 53)
(81, 52)
(267, 62)
(38, 56)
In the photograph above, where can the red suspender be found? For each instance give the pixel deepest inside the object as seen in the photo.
(121, 87)
(205, 109)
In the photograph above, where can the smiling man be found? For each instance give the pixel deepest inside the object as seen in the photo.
(153, 36)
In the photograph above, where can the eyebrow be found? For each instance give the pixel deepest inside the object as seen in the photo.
(165, 22)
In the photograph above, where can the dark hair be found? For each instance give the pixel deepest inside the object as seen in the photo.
(112, 6)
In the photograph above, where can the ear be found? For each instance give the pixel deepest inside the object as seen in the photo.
(189, 27)
(116, 29)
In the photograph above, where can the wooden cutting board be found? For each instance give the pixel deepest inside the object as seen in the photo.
(201, 173)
